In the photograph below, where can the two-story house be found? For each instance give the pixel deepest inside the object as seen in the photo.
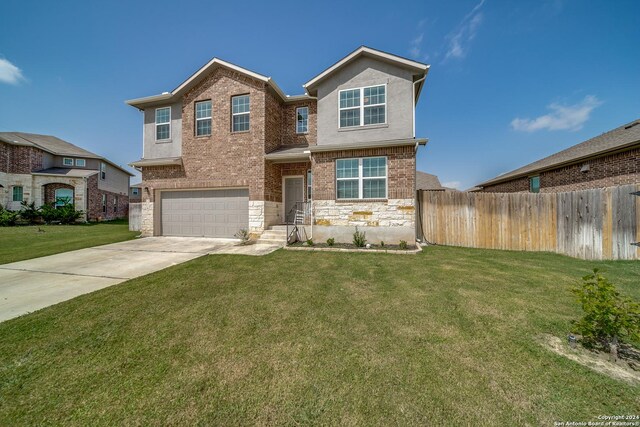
(227, 149)
(45, 169)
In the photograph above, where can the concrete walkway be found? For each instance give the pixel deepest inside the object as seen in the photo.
(30, 285)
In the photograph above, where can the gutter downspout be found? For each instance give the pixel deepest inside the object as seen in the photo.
(413, 94)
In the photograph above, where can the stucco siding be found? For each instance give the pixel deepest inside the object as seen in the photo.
(153, 149)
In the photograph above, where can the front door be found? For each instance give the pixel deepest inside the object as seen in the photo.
(293, 192)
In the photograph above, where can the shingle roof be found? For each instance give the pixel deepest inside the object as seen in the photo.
(624, 136)
(72, 173)
(426, 181)
(52, 145)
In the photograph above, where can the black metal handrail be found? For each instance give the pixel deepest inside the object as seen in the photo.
(299, 214)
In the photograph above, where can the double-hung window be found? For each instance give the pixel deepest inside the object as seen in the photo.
(81, 162)
(363, 106)
(104, 203)
(115, 204)
(534, 184)
(135, 191)
(240, 113)
(302, 119)
(203, 118)
(362, 178)
(309, 182)
(163, 123)
(67, 161)
(103, 171)
(17, 193)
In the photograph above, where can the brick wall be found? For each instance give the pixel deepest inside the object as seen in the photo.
(95, 210)
(23, 159)
(4, 157)
(401, 165)
(606, 171)
(289, 135)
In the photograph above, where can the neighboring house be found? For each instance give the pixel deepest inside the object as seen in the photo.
(428, 182)
(227, 149)
(45, 169)
(135, 193)
(608, 160)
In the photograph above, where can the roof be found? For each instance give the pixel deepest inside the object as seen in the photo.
(371, 144)
(71, 173)
(199, 75)
(625, 136)
(427, 181)
(287, 154)
(419, 67)
(52, 145)
(164, 161)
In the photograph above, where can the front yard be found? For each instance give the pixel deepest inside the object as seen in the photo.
(25, 242)
(445, 337)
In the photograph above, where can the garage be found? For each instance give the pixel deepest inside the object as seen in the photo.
(208, 213)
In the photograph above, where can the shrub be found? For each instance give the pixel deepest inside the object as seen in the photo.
(403, 245)
(359, 238)
(243, 235)
(7, 217)
(331, 241)
(381, 243)
(608, 316)
(29, 212)
(65, 214)
(310, 242)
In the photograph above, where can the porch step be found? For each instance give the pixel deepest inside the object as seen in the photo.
(274, 234)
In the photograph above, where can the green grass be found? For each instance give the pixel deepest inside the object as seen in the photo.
(446, 337)
(26, 242)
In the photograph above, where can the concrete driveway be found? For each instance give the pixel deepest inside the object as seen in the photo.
(30, 285)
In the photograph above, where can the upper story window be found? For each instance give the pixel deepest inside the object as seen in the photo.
(534, 184)
(240, 113)
(135, 191)
(67, 161)
(163, 123)
(17, 193)
(361, 178)
(363, 106)
(302, 119)
(81, 162)
(103, 171)
(203, 118)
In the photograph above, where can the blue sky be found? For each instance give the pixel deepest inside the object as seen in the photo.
(510, 82)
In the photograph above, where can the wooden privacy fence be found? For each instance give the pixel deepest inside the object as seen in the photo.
(588, 224)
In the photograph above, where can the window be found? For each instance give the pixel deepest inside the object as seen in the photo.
(104, 203)
(81, 163)
(17, 193)
(67, 161)
(240, 113)
(364, 178)
(203, 118)
(103, 171)
(64, 196)
(135, 191)
(163, 123)
(534, 184)
(363, 106)
(302, 119)
(309, 181)
(115, 204)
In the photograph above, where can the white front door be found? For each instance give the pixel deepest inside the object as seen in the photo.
(293, 192)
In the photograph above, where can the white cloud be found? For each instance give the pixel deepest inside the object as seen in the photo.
(453, 184)
(416, 46)
(460, 38)
(9, 73)
(562, 117)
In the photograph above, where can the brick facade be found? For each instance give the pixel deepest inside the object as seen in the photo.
(19, 159)
(50, 191)
(289, 135)
(95, 210)
(606, 171)
(401, 171)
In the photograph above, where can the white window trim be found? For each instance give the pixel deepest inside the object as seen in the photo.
(248, 113)
(64, 161)
(163, 123)
(307, 126)
(83, 161)
(362, 106)
(361, 179)
(210, 117)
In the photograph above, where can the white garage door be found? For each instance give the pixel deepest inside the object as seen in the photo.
(210, 213)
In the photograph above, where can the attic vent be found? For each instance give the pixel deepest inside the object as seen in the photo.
(585, 168)
(632, 125)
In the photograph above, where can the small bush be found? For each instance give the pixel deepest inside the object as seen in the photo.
(608, 316)
(29, 212)
(359, 238)
(310, 242)
(381, 243)
(7, 218)
(243, 235)
(403, 245)
(331, 241)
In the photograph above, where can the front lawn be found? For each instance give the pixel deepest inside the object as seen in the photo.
(32, 241)
(445, 337)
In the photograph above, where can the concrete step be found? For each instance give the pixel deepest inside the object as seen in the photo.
(271, 241)
(278, 228)
(274, 234)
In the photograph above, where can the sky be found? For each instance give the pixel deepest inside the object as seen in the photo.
(510, 81)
